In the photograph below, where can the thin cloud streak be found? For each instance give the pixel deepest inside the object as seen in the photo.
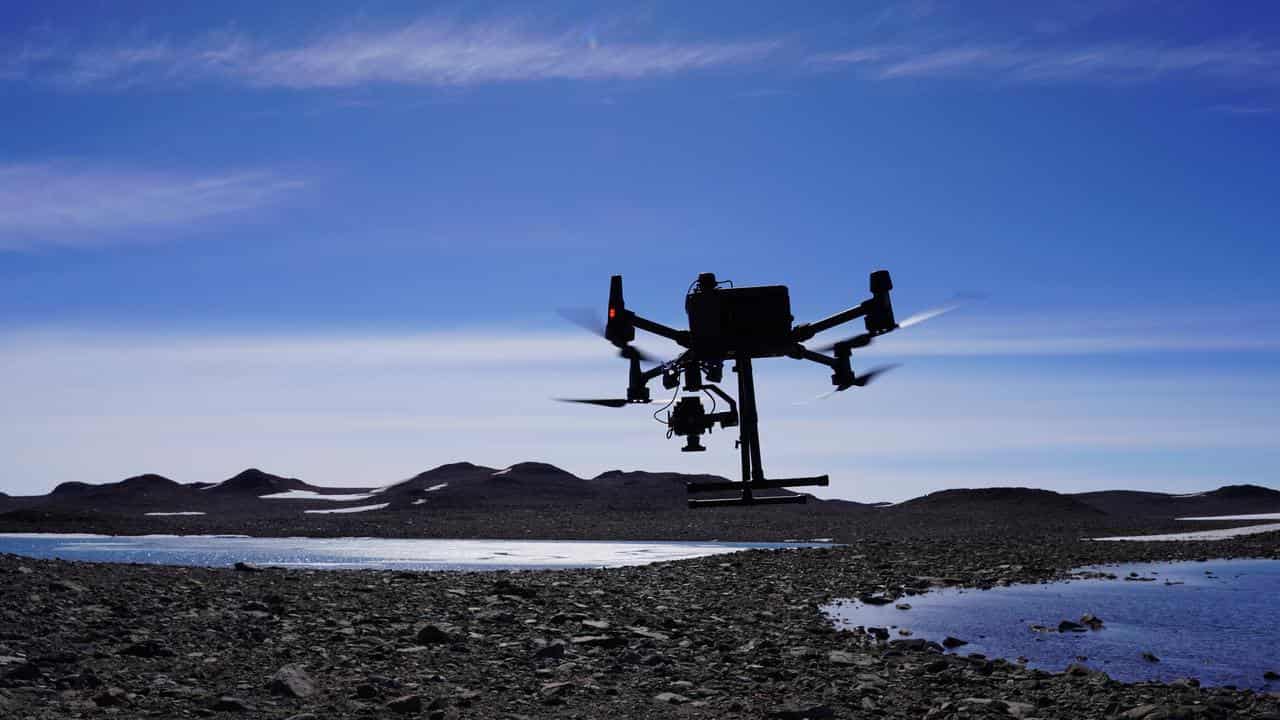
(67, 205)
(1248, 63)
(422, 53)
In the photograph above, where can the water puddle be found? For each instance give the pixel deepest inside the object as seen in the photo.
(1213, 621)
(347, 553)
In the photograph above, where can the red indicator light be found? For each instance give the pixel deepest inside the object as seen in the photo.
(612, 313)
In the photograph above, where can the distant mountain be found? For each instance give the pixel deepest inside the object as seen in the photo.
(542, 487)
(1227, 500)
(139, 491)
(257, 483)
(1014, 502)
(464, 485)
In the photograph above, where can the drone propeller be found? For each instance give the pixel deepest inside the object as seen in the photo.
(588, 320)
(869, 376)
(864, 339)
(862, 380)
(605, 402)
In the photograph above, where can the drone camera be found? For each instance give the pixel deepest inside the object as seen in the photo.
(689, 420)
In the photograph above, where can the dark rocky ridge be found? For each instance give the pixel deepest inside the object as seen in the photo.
(256, 482)
(737, 636)
(542, 500)
(536, 499)
(1228, 500)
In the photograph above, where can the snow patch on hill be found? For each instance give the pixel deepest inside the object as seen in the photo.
(313, 495)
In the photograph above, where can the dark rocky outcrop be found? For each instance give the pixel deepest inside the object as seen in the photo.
(256, 483)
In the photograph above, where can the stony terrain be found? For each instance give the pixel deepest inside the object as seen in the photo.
(738, 636)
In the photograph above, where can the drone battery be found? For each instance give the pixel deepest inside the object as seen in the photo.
(754, 320)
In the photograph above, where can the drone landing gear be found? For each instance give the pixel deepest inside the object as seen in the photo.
(752, 470)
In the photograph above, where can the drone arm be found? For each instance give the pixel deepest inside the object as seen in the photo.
(680, 337)
(800, 352)
(808, 330)
(877, 310)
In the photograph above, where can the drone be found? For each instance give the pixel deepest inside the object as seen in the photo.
(741, 324)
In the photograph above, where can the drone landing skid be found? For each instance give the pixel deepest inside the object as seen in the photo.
(752, 469)
(748, 497)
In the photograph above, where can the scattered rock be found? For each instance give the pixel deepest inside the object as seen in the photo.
(247, 567)
(293, 681)
(60, 585)
(555, 691)
(551, 651)
(670, 698)
(802, 712)
(226, 703)
(1271, 675)
(1150, 657)
(24, 671)
(1069, 626)
(1093, 622)
(953, 642)
(111, 697)
(406, 704)
(841, 657)
(605, 641)
(148, 649)
(437, 634)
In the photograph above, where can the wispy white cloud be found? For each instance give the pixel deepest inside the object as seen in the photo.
(1244, 62)
(75, 205)
(424, 52)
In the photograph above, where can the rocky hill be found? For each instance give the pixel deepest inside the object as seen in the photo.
(537, 499)
(1227, 500)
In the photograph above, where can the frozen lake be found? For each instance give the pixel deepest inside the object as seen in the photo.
(346, 553)
(1214, 621)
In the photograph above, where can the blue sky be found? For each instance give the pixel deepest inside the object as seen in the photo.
(329, 241)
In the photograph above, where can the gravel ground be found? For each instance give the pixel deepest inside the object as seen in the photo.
(730, 636)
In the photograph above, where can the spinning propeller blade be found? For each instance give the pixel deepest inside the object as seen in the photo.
(865, 339)
(603, 402)
(862, 380)
(588, 320)
(928, 315)
(869, 376)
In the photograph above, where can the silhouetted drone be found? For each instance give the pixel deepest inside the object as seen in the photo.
(739, 324)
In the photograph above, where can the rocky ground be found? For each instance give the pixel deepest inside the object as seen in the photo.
(738, 636)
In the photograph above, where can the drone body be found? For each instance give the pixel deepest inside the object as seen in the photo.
(738, 324)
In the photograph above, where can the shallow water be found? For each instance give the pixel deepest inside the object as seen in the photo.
(346, 553)
(1215, 621)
